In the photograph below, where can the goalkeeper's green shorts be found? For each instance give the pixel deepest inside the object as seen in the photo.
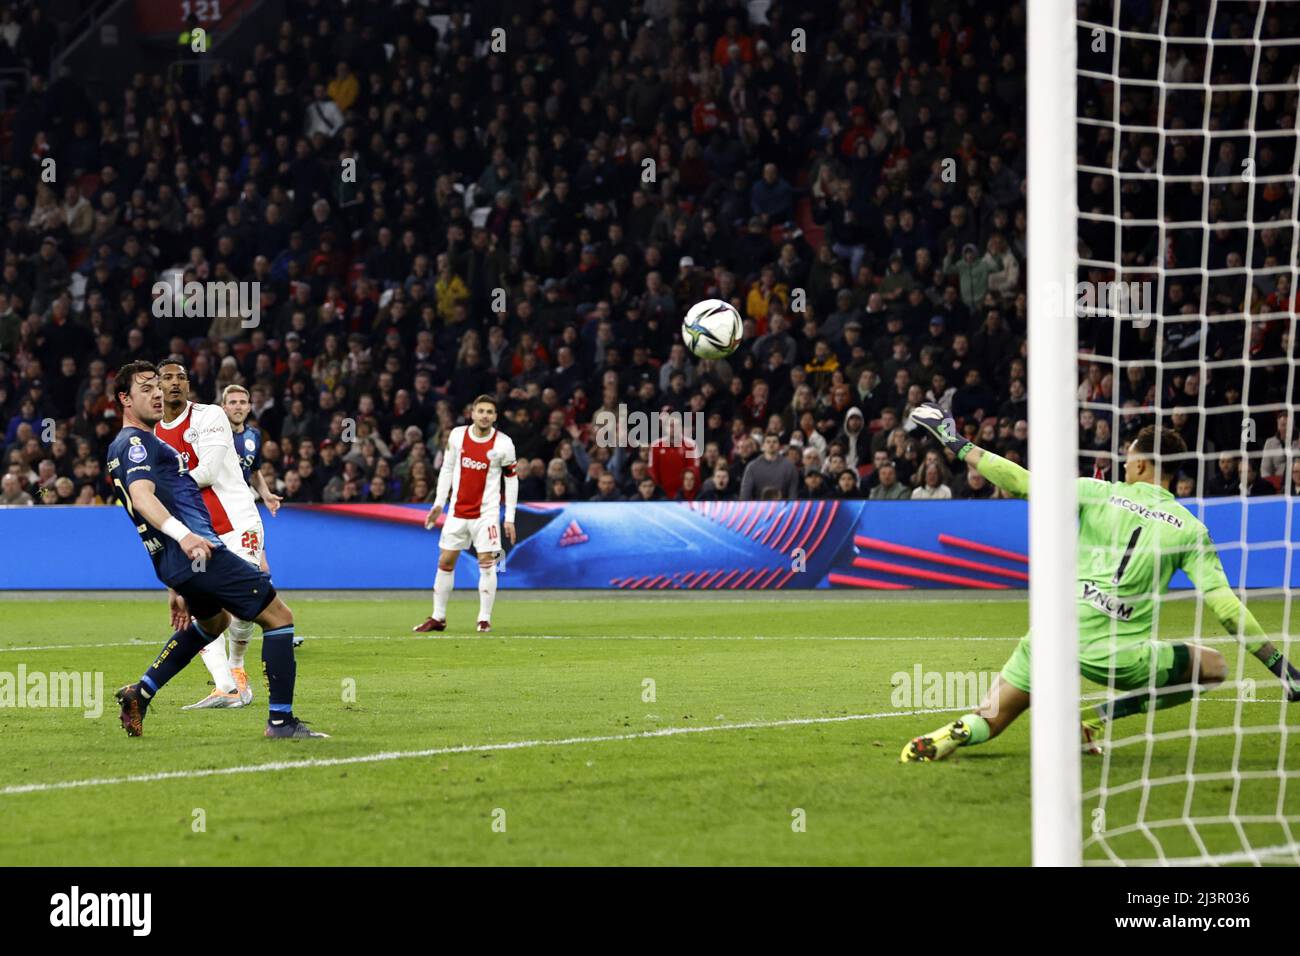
(1129, 668)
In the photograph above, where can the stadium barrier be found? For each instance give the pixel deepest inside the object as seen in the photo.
(746, 545)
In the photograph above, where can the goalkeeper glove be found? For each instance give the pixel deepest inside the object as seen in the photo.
(1286, 672)
(941, 425)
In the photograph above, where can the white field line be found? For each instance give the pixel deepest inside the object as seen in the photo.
(156, 642)
(383, 756)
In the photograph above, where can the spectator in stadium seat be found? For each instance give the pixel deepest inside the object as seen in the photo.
(323, 114)
(772, 197)
(854, 438)
(1252, 484)
(933, 486)
(974, 398)
(26, 416)
(771, 475)
(1226, 479)
(606, 489)
(647, 490)
(12, 493)
(887, 487)
(971, 271)
(690, 487)
(719, 487)
(1280, 446)
(975, 486)
(814, 485)
(671, 458)
(847, 485)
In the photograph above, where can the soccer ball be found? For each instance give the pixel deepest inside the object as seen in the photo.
(712, 329)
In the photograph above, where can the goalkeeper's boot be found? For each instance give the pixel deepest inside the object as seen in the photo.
(484, 626)
(134, 706)
(242, 685)
(290, 728)
(936, 745)
(1092, 731)
(430, 624)
(217, 699)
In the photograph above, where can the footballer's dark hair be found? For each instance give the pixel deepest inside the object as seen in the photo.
(490, 399)
(125, 377)
(174, 360)
(1160, 445)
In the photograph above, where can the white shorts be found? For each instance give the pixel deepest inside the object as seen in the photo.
(247, 542)
(482, 532)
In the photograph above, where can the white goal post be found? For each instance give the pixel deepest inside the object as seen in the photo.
(1052, 373)
(1164, 147)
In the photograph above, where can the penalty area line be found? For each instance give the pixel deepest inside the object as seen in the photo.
(385, 756)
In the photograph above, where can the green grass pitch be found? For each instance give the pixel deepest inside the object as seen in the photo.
(544, 743)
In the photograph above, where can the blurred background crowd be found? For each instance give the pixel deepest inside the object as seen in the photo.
(534, 223)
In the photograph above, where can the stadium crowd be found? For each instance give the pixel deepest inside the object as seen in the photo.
(532, 225)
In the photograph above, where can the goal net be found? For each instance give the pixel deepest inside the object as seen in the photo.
(1184, 314)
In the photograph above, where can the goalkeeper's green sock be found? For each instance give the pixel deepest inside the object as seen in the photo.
(978, 727)
(1137, 702)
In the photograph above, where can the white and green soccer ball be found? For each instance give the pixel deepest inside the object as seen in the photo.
(712, 329)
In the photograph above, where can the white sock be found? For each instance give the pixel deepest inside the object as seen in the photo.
(214, 659)
(441, 593)
(241, 632)
(487, 590)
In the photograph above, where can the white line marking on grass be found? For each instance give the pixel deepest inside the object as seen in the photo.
(541, 637)
(68, 647)
(717, 637)
(384, 756)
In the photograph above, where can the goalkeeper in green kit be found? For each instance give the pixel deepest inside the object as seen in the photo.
(1132, 537)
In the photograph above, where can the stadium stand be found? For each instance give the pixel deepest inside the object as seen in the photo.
(861, 204)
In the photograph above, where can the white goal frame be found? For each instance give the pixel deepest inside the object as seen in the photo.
(1055, 776)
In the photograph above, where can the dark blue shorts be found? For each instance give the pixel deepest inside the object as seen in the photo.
(228, 582)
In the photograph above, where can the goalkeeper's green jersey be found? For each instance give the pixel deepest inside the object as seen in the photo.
(1132, 538)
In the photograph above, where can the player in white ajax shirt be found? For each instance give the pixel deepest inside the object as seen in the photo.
(478, 459)
(202, 436)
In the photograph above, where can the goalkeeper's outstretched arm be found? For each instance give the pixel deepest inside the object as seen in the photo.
(1205, 569)
(1007, 475)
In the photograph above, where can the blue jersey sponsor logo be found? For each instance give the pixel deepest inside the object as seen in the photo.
(248, 447)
